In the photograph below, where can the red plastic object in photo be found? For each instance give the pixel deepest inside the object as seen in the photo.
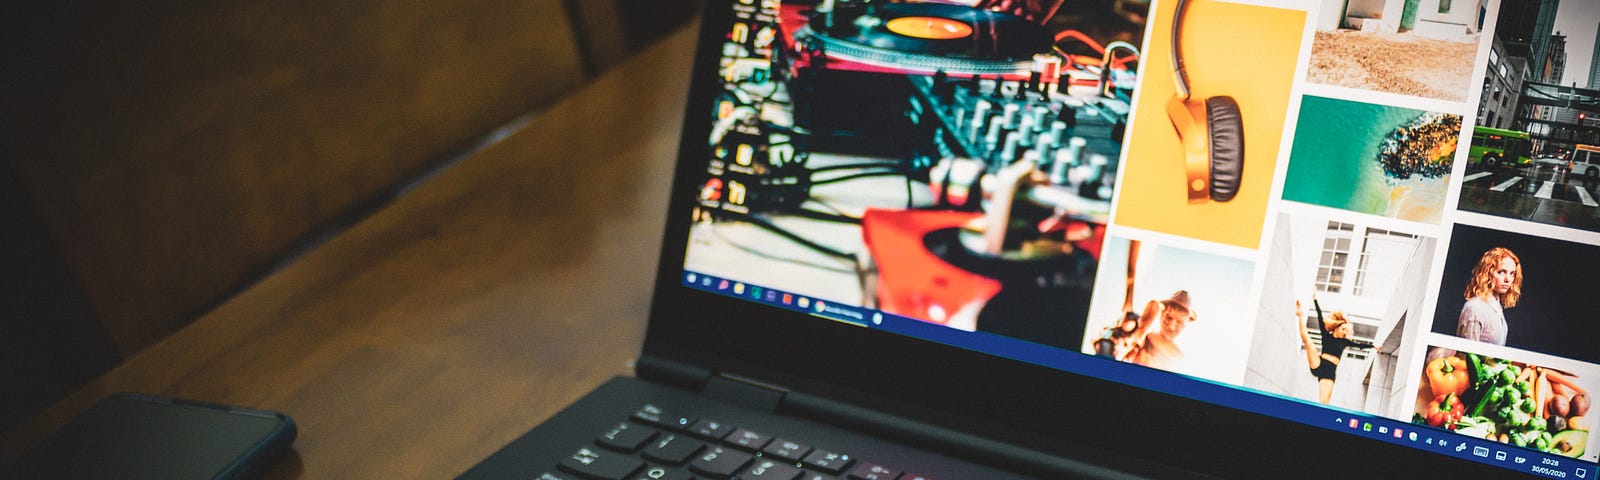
(912, 282)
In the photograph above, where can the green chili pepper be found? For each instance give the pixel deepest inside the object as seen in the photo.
(1483, 403)
(1480, 376)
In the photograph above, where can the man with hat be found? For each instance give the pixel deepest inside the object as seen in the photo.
(1159, 348)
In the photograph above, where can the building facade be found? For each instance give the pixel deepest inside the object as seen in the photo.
(1502, 86)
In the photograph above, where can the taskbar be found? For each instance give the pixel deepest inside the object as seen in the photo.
(1365, 425)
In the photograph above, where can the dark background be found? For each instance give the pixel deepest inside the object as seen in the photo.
(158, 157)
(1556, 312)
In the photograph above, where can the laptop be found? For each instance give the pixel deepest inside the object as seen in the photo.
(997, 239)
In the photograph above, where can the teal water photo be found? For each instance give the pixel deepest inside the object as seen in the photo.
(1372, 159)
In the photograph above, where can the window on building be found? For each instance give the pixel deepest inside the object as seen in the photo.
(1335, 256)
(1383, 260)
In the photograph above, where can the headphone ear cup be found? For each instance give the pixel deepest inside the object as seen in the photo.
(1226, 127)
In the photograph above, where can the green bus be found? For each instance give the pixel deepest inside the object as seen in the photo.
(1496, 147)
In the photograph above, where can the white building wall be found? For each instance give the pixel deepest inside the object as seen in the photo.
(1332, 16)
(1460, 18)
(1277, 364)
(1461, 12)
(1381, 16)
(1408, 303)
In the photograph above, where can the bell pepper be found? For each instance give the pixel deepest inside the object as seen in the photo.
(1445, 410)
(1448, 375)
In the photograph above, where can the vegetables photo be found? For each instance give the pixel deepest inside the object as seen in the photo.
(1510, 402)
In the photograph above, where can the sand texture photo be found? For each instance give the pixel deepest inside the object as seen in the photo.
(1403, 64)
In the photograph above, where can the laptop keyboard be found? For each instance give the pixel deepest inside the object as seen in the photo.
(655, 444)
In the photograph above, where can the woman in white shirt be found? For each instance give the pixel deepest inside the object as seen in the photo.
(1495, 286)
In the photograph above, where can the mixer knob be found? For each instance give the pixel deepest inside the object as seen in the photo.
(977, 126)
(1009, 118)
(1008, 155)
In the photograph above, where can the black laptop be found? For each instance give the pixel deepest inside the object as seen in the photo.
(995, 239)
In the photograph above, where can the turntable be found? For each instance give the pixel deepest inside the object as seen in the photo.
(923, 38)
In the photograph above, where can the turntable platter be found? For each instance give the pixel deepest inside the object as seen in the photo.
(932, 28)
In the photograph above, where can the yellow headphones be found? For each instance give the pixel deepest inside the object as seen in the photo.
(1213, 149)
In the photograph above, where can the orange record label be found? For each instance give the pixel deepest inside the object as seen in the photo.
(929, 27)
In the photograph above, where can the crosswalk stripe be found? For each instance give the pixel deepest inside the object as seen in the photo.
(1546, 190)
(1583, 195)
(1475, 176)
(1506, 184)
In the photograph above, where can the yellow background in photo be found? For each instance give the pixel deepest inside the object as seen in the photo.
(1246, 52)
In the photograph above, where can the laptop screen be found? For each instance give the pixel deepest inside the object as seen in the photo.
(1372, 217)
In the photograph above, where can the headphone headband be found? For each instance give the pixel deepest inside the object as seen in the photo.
(1179, 75)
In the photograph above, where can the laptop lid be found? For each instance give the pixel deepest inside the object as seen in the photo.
(1244, 238)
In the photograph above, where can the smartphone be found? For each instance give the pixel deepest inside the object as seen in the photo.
(133, 436)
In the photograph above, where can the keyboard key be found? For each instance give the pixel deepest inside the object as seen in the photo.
(816, 476)
(661, 417)
(913, 476)
(827, 461)
(600, 465)
(747, 440)
(710, 429)
(769, 470)
(673, 449)
(551, 476)
(625, 437)
(720, 462)
(873, 471)
(658, 473)
(787, 450)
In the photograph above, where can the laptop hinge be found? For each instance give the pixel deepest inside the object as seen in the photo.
(979, 448)
(745, 391)
(723, 386)
(664, 370)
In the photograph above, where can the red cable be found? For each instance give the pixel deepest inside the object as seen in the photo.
(1079, 36)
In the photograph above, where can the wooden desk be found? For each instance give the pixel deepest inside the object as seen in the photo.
(433, 333)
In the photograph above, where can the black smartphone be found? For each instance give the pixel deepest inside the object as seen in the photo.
(133, 436)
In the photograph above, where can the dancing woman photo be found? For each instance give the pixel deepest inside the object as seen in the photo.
(1336, 332)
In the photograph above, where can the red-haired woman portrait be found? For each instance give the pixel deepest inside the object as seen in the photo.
(1495, 286)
